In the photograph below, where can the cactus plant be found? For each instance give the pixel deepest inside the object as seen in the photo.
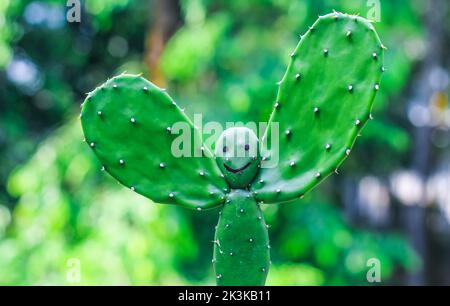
(323, 102)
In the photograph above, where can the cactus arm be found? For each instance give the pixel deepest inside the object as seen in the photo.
(324, 100)
(128, 124)
(241, 244)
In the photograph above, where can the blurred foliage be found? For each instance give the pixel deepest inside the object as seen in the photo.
(227, 56)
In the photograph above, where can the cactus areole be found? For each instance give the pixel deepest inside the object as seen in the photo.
(323, 102)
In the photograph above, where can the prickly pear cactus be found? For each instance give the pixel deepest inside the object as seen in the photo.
(324, 100)
(241, 244)
(128, 123)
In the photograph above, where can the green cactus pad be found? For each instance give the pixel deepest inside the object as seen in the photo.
(128, 124)
(324, 100)
(237, 155)
(241, 244)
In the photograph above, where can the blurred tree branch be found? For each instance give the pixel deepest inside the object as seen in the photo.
(167, 20)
